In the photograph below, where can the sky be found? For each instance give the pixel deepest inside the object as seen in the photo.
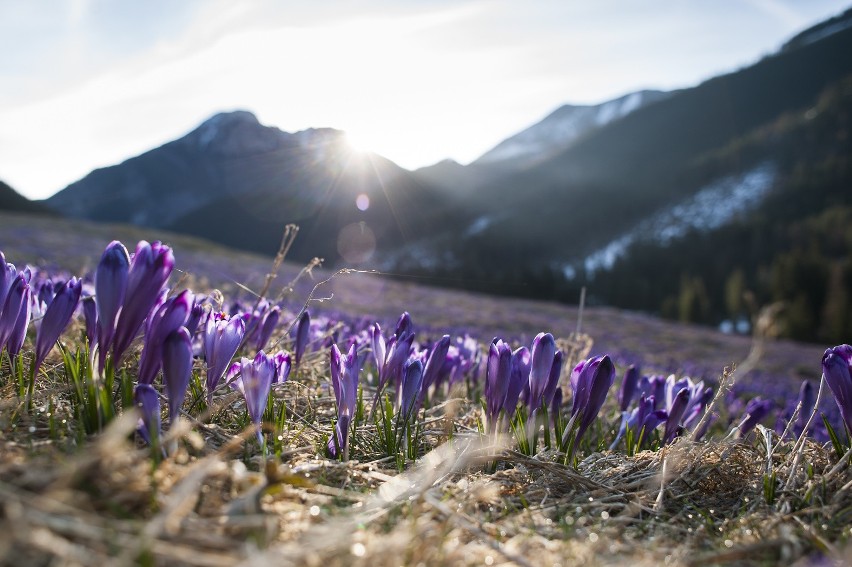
(90, 83)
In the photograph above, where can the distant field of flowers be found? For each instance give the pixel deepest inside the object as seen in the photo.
(205, 417)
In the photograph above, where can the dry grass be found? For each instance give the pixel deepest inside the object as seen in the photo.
(217, 503)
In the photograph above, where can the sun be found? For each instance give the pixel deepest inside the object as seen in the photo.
(360, 143)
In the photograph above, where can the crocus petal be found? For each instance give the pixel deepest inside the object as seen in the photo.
(303, 329)
(177, 368)
(110, 289)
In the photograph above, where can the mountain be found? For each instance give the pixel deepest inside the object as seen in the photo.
(554, 133)
(11, 200)
(562, 127)
(609, 180)
(238, 182)
(682, 171)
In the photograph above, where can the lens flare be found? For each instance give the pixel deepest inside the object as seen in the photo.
(362, 202)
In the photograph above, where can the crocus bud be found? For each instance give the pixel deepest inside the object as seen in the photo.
(56, 318)
(593, 386)
(628, 387)
(398, 352)
(838, 375)
(404, 325)
(177, 368)
(675, 411)
(497, 376)
(270, 321)
(543, 351)
(17, 295)
(412, 381)
(148, 402)
(169, 317)
(435, 362)
(756, 410)
(282, 367)
(110, 289)
(15, 342)
(303, 330)
(517, 379)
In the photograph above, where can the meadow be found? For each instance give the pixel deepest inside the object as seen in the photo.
(184, 404)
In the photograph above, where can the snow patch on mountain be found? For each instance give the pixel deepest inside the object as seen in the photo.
(711, 207)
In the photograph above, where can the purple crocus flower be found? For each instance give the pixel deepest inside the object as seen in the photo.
(177, 368)
(756, 410)
(18, 334)
(591, 386)
(283, 366)
(628, 387)
(344, 382)
(643, 419)
(675, 411)
(56, 318)
(836, 369)
(652, 386)
(255, 382)
(148, 402)
(498, 374)
(404, 326)
(17, 295)
(412, 382)
(435, 362)
(221, 341)
(110, 289)
(303, 329)
(168, 318)
(270, 321)
(543, 352)
(397, 354)
(150, 268)
(517, 380)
